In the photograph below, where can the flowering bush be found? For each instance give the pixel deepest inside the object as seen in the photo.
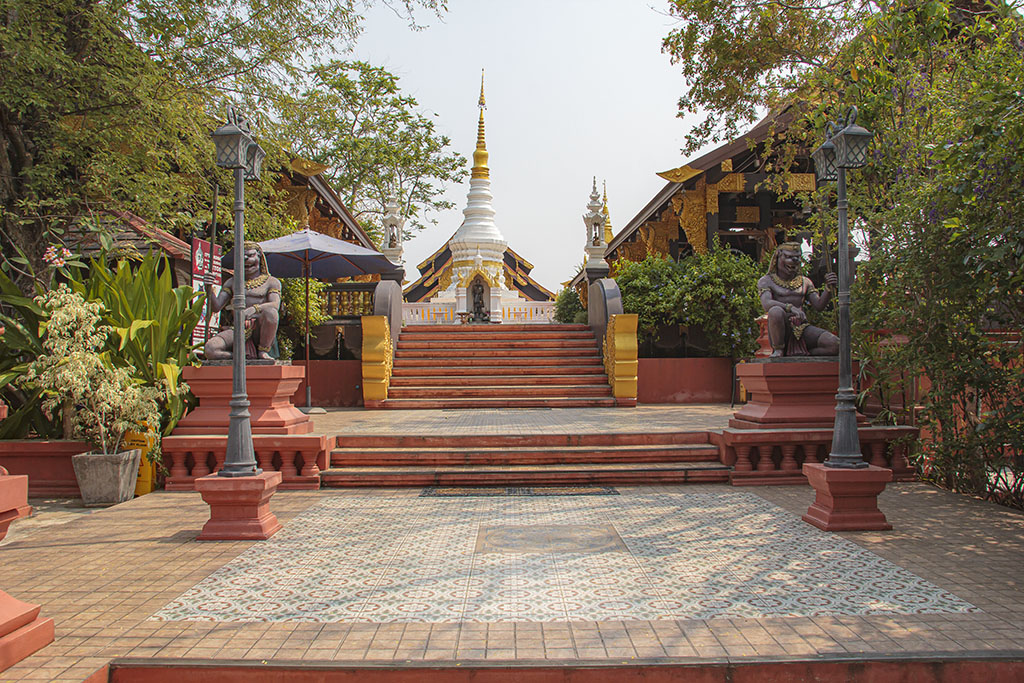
(100, 401)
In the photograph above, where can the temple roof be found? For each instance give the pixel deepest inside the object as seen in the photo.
(435, 268)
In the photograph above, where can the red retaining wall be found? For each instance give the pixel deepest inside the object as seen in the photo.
(684, 380)
(336, 384)
(966, 669)
(47, 464)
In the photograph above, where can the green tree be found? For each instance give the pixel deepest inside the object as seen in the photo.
(353, 118)
(108, 106)
(939, 84)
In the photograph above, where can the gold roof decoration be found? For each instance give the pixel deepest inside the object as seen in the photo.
(306, 167)
(681, 174)
(608, 232)
(480, 169)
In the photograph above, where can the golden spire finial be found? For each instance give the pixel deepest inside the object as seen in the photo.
(480, 169)
(608, 232)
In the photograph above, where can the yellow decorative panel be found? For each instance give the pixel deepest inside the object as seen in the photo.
(748, 214)
(801, 182)
(620, 355)
(693, 220)
(734, 182)
(711, 199)
(378, 357)
(633, 251)
(727, 166)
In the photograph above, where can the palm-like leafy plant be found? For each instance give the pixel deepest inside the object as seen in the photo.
(152, 323)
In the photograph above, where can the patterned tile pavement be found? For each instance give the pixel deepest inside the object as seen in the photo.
(946, 580)
(698, 553)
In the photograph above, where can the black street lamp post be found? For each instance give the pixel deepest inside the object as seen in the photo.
(847, 147)
(237, 150)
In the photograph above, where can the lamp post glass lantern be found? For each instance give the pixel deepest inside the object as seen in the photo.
(237, 150)
(846, 148)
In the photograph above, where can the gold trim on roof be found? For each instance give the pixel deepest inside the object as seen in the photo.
(681, 174)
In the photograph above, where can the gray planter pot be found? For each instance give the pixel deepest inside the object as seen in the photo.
(106, 479)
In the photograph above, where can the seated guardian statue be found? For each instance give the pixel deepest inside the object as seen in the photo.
(784, 292)
(262, 305)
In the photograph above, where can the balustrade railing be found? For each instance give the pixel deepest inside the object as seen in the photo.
(444, 313)
(350, 299)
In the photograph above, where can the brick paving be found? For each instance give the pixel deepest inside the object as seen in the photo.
(104, 576)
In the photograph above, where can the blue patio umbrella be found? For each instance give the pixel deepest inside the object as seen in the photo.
(307, 254)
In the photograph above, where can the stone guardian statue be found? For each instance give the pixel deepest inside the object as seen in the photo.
(262, 309)
(784, 293)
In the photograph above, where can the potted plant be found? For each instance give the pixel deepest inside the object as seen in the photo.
(99, 401)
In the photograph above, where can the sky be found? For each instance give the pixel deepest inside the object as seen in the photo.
(574, 89)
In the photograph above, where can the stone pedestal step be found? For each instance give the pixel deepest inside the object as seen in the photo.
(456, 441)
(504, 456)
(469, 403)
(526, 475)
(442, 380)
(498, 391)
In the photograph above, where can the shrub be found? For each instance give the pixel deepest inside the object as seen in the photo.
(99, 401)
(567, 306)
(718, 294)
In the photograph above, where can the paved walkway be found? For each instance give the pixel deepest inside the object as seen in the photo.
(622, 574)
(643, 418)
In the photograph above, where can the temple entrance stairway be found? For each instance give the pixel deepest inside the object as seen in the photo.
(498, 366)
(524, 460)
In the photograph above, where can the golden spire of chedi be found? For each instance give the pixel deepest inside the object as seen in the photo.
(480, 169)
(608, 232)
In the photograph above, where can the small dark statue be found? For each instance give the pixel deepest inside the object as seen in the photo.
(262, 304)
(784, 292)
(480, 312)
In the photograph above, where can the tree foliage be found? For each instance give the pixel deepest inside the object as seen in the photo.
(940, 85)
(108, 107)
(353, 118)
(713, 295)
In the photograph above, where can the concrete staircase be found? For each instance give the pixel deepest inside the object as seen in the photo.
(498, 366)
(524, 460)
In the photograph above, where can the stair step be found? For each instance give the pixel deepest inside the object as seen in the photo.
(503, 362)
(458, 346)
(457, 441)
(481, 402)
(602, 473)
(577, 372)
(503, 327)
(448, 354)
(356, 457)
(441, 380)
(497, 391)
(495, 335)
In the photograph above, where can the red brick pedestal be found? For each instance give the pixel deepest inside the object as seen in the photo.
(22, 630)
(239, 507)
(269, 387)
(788, 393)
(13, 499)
(846, 499)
